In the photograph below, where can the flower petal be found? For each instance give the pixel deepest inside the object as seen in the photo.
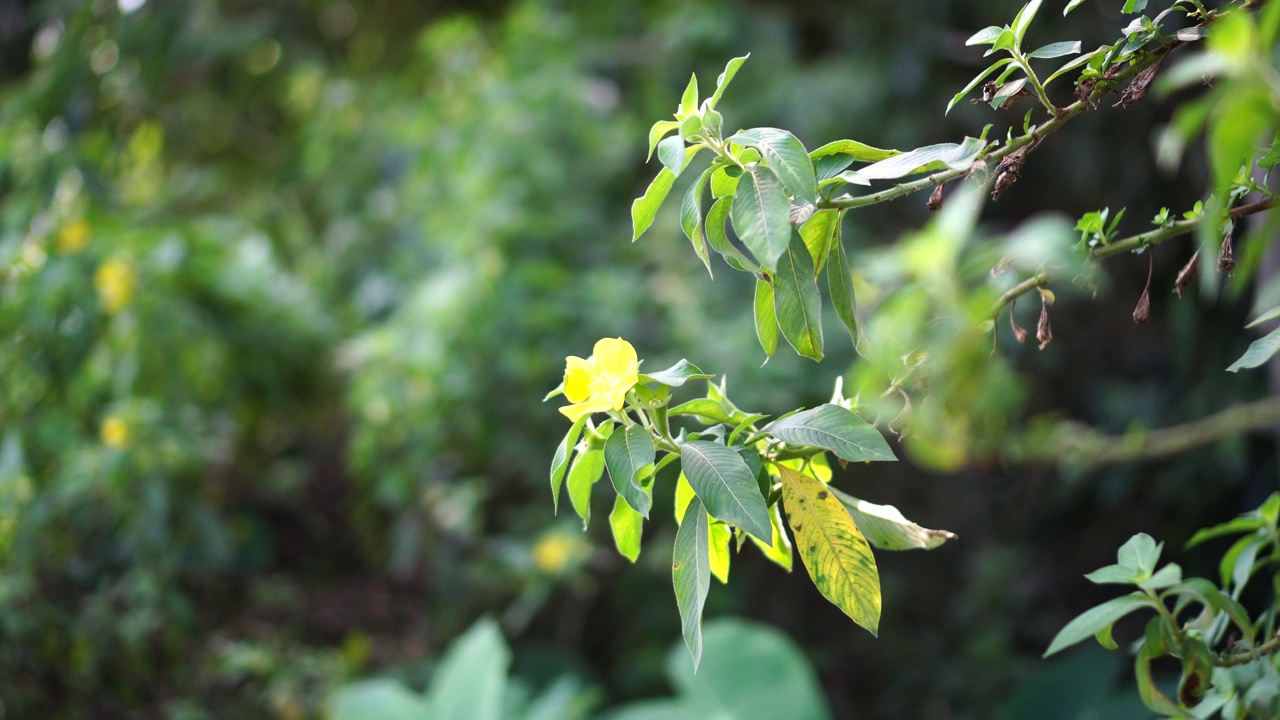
(578, 374)
(616, 357)
(577, 410)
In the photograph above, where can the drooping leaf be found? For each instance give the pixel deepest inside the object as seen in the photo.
(786, 157)
(645, 208)
(723, 183)
(671, 153)
(817, 233)
(1260, 351)
(1152, 648)
(925, 159)
(691, 219)
(718, 553)
(587, 468)
(560, 462)
(833, 428)
(835, 553)
(628, 527)
(470, 681)
(1058, 49)
(658, 131)
(840, 285)
(691, 575)
(1071, 6)
(719, 240)
(974, 82)
(796, 300)
(722, 82)
(779, 551)
(860, 152)
(1095, 619)
(760, 216)
(683, 494)
(766, 318)
(726, 485)
(676, 375)
(627, 452)
(885, 527)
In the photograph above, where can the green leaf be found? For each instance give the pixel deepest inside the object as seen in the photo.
(833, 428)
(560, 462)
(766, 318)
(885, 527)
(860, 152)
(691, 219)
(797, 302)
(1075, 63)
(985, 36)
(1152, 648)
(718, 551)
(726, 485)
(689, 101)
(1114, 574)
(1071, 6)
(778, 551)
(1140, 553)
(785, 155)
(760, 216)
(671, 153)
(381, 698)
(1236, 564)
(1058, 49)
(1024, 18)
(628, 527)
(1260, 351)
(722, 82)
(626, 453)
(676, 375)
(1095, 619)
(817, 233)
(719, 241)
(840, 285)
(1271, 314)
(723, 184)
(658, 131)
(838, 558)
(691, 576)
(587, 469)
(683, 494)
(1167, 576)
(645, 208)
(470, 681)
(1133, 6)
(712, 411)
(1243, 524)
(925, 159)
(974, 82)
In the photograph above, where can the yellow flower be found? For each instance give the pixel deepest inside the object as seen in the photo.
(600, 383)
(114, 431)
(73, 238)
(556, 551)
(115, 281)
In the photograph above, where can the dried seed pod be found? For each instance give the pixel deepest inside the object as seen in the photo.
(1137, 89)
(1085, 88)
(935, 197)
(1226, 255)
(1142, 312)
(1010, 169)
(1019, 332)
(1044, 333)
(1187, 274)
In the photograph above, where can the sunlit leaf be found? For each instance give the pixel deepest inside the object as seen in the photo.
(779, 551)
(783, 153)
(718, 552)
(560, 462)
(760, 216)
(817, 233)
(860, 152)
(628, 527)
(719, 240)
(766, 319)
(676, 375)
(628, 451)
(587, 469)
(722, 82)
(833, 428)
(1024, 18)
(658, 131)
(691, 219)
(885, 527)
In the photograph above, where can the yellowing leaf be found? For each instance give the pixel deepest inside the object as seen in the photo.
(834, 552)
(718, 552)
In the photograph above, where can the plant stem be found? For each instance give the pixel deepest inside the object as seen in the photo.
(1035, 82)
(1266, 648)
(1181, 227)
(1038, 280)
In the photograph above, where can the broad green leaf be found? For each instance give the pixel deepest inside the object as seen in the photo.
(860, 152)
(718, 552)
(1006, 40)
(560, 462)
(676, 375)
(796, 300)
(689, 101)
(722, 82)
(766, 318)
(840, 285)
(587, 468)
(719, 241)
(724, 184)
(783, 153)
(1271, 314)
(627, 452)
(658, 131)
(925, 159)
(726, 485)
(1096, 618)
(1260, 351)
(691, 575)
(1140, 552)
(1024, 18)
(470, 681)
(833, 428)
(885, 527)
(974, 82)
(760, 216)
(710, 410)
(985, 36)
(1071, 6)
(1152, 648)
(383, 698)
(1075, 63)
(1243, 524)
(817, 233)
(671, 153)
(1058, 49)
(834, 552)
(779, 551)
(1208, 594)
(691, 219)
(1166, 576)
(628, 527)
(645, 208)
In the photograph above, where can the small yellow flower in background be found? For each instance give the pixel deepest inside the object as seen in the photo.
(115, 281)
(114, 431)
(73, 238)
(600, 383)
(557, 550)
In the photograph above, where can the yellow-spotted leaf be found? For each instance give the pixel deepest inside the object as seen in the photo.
(834, 552)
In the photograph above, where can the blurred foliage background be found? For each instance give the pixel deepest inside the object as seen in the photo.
(284, 283)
